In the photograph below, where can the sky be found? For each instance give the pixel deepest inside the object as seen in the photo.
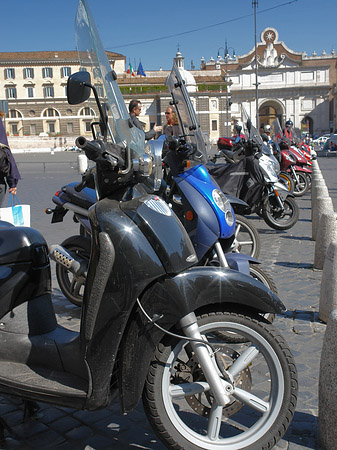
(152, 31)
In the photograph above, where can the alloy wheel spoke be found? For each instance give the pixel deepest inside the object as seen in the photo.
(214, 422)
(243, 361)
(251, 400)
(187, 389)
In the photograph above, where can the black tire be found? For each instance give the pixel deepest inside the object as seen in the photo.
(247, 238)
(261, 406)
(278, 220)
(71, 285)
(302, 186)
(264, 277)
(286, 179)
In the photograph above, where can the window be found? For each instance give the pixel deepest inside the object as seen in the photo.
(214, 125)
(14, 114)
(65, 72)
(10, 92)
(47, 72)
(48, 91)
(14, 128)
(32, 128)
(51, 127)
(50, 112)
(87, 126)
(99, 89)
(87, 112)
(9, 74)
(30, 92)
(28, 72)
(96, 73)
(70, 128)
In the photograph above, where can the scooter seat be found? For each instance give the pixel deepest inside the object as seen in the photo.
(85, 198)
(21, 244)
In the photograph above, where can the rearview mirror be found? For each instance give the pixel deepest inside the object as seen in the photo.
(78, 87)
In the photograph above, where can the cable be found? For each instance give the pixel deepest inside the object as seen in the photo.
(185, 338)
(201, 28)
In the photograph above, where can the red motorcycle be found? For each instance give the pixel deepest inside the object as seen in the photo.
(293, 161)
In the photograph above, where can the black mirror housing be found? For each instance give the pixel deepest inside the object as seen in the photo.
(78, 87)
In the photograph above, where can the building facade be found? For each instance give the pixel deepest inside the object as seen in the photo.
(34, 86)
(291, 85)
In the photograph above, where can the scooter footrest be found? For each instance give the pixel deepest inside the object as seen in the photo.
(19, 378)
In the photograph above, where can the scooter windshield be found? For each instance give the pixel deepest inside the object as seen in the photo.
(94, 60)
(189, 126)
(250, 131)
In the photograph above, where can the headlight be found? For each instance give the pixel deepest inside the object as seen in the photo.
(222, 203)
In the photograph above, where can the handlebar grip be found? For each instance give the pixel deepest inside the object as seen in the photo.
(80, 186)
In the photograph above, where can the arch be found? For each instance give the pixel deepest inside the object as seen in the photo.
(307, 125)
(269, 110)
(50, 112)
(87, 111)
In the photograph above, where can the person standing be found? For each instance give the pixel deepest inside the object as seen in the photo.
(135, 108)
(9, 173)
(171, 128)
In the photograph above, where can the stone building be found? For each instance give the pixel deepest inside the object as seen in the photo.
(34, 85)
(291, 85)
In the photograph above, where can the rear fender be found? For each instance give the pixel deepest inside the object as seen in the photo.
(198, 288)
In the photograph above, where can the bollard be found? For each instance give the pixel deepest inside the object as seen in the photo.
(82, 163)
(326, 233)
(328, 292)
(327, 390)
(320, 190)
(322, 204)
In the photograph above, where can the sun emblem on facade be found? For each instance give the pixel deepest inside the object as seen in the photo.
(270, 36)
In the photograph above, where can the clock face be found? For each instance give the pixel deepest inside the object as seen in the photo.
(269, 36)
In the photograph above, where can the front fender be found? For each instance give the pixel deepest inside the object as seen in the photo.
(172, 299)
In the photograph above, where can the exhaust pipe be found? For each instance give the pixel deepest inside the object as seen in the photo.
(69, 260)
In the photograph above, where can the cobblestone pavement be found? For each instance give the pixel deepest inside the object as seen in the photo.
(287, 256)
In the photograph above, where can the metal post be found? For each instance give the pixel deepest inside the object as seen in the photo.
(255, 3)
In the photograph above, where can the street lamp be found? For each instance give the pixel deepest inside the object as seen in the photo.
(226, 58)
(255, 4)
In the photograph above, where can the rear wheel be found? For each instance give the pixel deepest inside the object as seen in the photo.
(181, 407)
(70, 284)
(247, 238)
(280, 219)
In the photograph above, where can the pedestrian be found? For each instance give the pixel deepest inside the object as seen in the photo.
(171, 128)
(9, 173)
(135, 108)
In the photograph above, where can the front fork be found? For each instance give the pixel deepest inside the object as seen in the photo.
(220, 388)
(272, 192)
(293, 171)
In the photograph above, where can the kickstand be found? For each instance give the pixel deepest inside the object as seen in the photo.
(30, 410)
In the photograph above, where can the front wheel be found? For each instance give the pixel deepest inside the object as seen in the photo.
(70, 284)
(302, 185)
(286, 179)
(280, 219)
(247, 239)
(181, 407)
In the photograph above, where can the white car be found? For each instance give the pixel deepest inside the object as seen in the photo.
(321, 139)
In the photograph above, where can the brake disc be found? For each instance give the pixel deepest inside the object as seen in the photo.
(201, 403)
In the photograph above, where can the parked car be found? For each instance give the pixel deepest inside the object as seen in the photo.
(331, 144)
(322, 139)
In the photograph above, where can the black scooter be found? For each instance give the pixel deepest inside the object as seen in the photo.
(152, 324)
